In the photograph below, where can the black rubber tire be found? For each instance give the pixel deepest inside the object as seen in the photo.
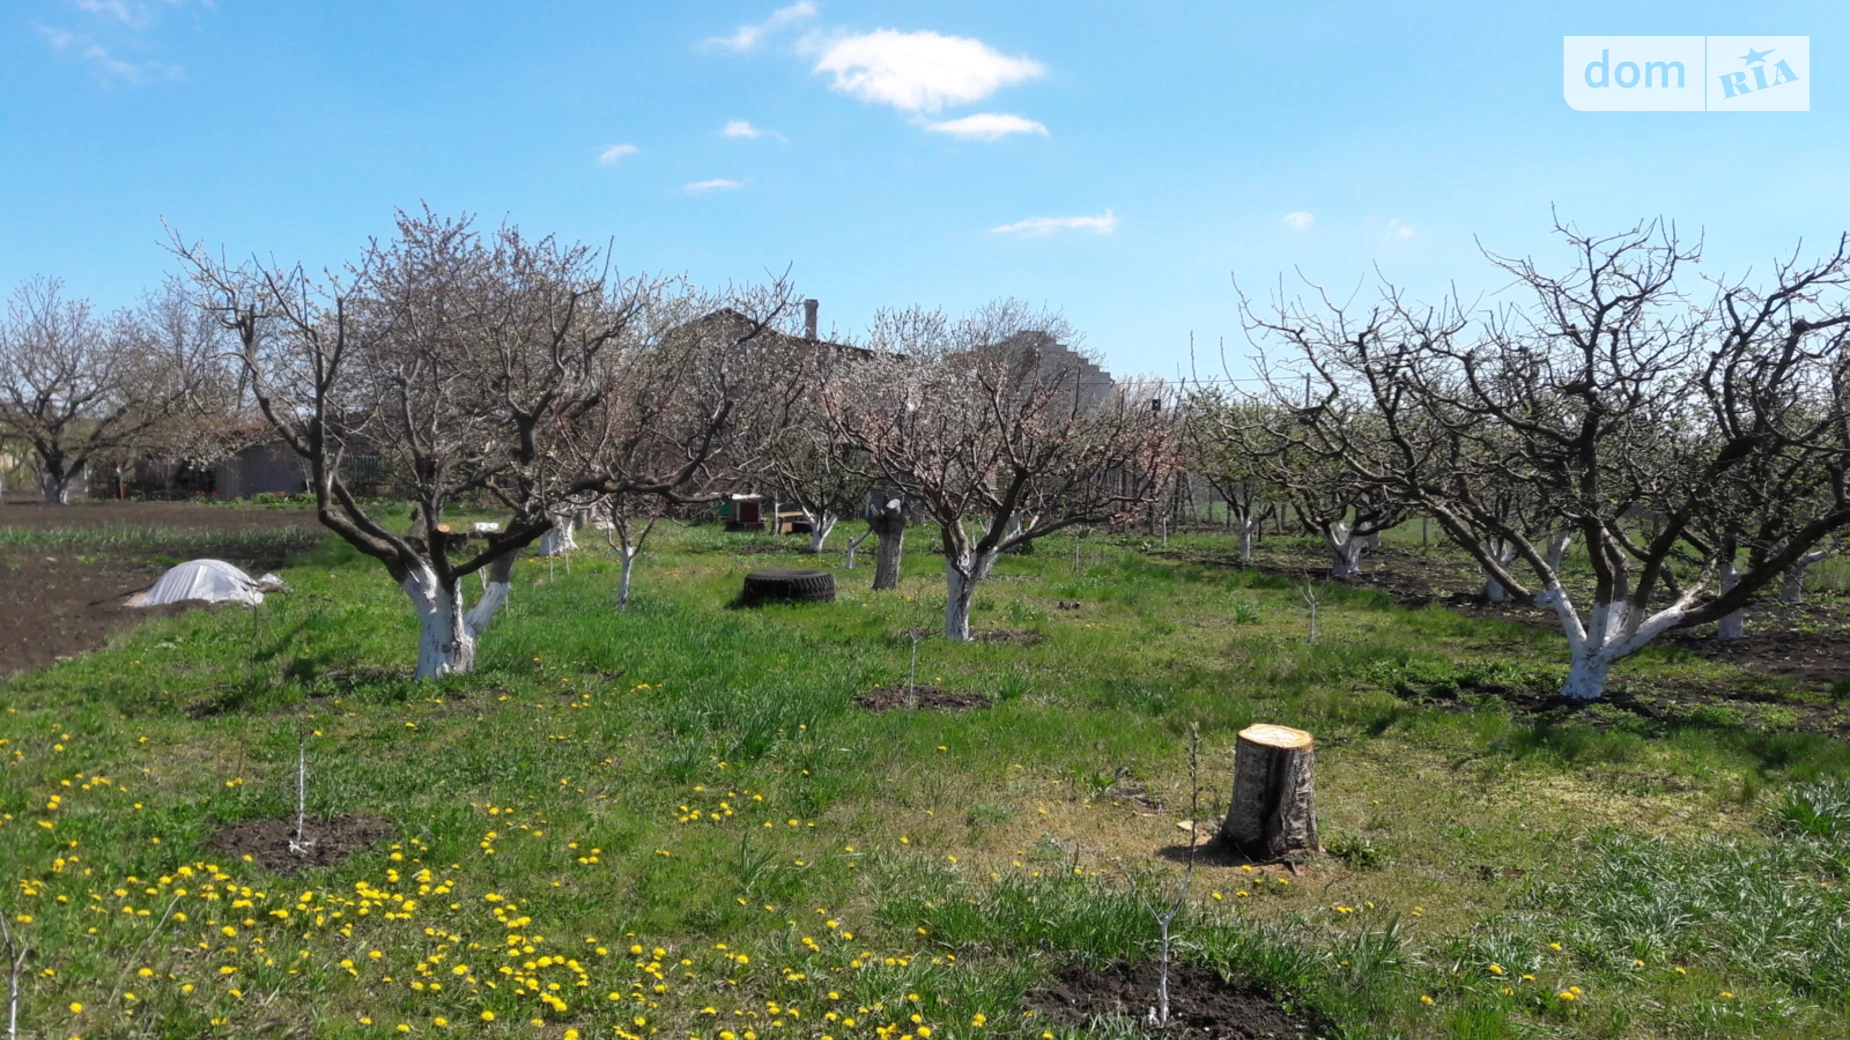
(784, 585)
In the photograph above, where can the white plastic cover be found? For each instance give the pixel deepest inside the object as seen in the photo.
(212, 581)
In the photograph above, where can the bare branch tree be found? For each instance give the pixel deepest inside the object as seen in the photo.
(470, 365)
(1612, 399)
(991, 417)
(81, 389)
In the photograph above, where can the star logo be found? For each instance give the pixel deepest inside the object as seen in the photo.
(1754, 57)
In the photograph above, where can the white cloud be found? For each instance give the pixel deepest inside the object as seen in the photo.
(1397, 228)
(749, 37)
(1040, 227)
(987, 126)
(105, 62)
(744, 128)
(119, 10)
(1298, 220)
(616, 153)
(920, 71)
(716, 184)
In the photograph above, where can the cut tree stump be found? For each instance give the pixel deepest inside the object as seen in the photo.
(1274, 812)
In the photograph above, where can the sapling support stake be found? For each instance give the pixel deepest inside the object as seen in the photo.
(301, 845)
(1159, 1015)
(1311, 594)
(912, 676)
(16, 951)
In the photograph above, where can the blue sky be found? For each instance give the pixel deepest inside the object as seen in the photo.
(1118, 161)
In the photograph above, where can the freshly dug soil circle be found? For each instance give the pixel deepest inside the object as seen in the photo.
(930, 698)
(1200, 1003)
(267, 842)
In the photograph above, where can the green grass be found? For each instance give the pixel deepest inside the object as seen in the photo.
(690, 778)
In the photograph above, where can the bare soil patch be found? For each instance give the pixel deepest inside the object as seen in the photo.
(929, 698)
(268, 842)
(60, 600)
(1813, 658)
(1201, 1004)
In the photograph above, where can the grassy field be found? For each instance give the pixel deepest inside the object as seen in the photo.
(672, 821)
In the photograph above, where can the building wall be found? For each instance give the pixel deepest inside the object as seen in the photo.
(260, 469)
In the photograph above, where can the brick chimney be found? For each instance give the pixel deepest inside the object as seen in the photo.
(809, 318)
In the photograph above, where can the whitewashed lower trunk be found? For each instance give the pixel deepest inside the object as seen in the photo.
(1792, 590)
(1557, 548)
(1345, 555)
(562, 538)
(1374, 540)
(1245, 528)
(494, 596)
(57, 490)
(960, 580)
(820, 526)
(1615, 634)
(446, 643)
(1586, 677)
(855, 543)
(1493, 589)
(1734, 626)
(627, 564)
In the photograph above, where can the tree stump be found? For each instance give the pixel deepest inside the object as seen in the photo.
(1273, 812)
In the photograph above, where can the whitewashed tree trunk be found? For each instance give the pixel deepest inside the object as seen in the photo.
(446, 643)
(1615, 634)
(57, 489)
(626, 557)
(494, 597)
(1505, 555)
(855, 543)
(1734, 626)
(1374, 539)
(1245, 528)
(1792, 590)
(447, 635)
(821, 524)
(960, 578)
(1345, 551)
(1586, 677)
(561, 539)
(1557, 548)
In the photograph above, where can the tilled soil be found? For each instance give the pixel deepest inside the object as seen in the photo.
(271, 844)
(1820, 658)
(1200, 1003)
(60, 601)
